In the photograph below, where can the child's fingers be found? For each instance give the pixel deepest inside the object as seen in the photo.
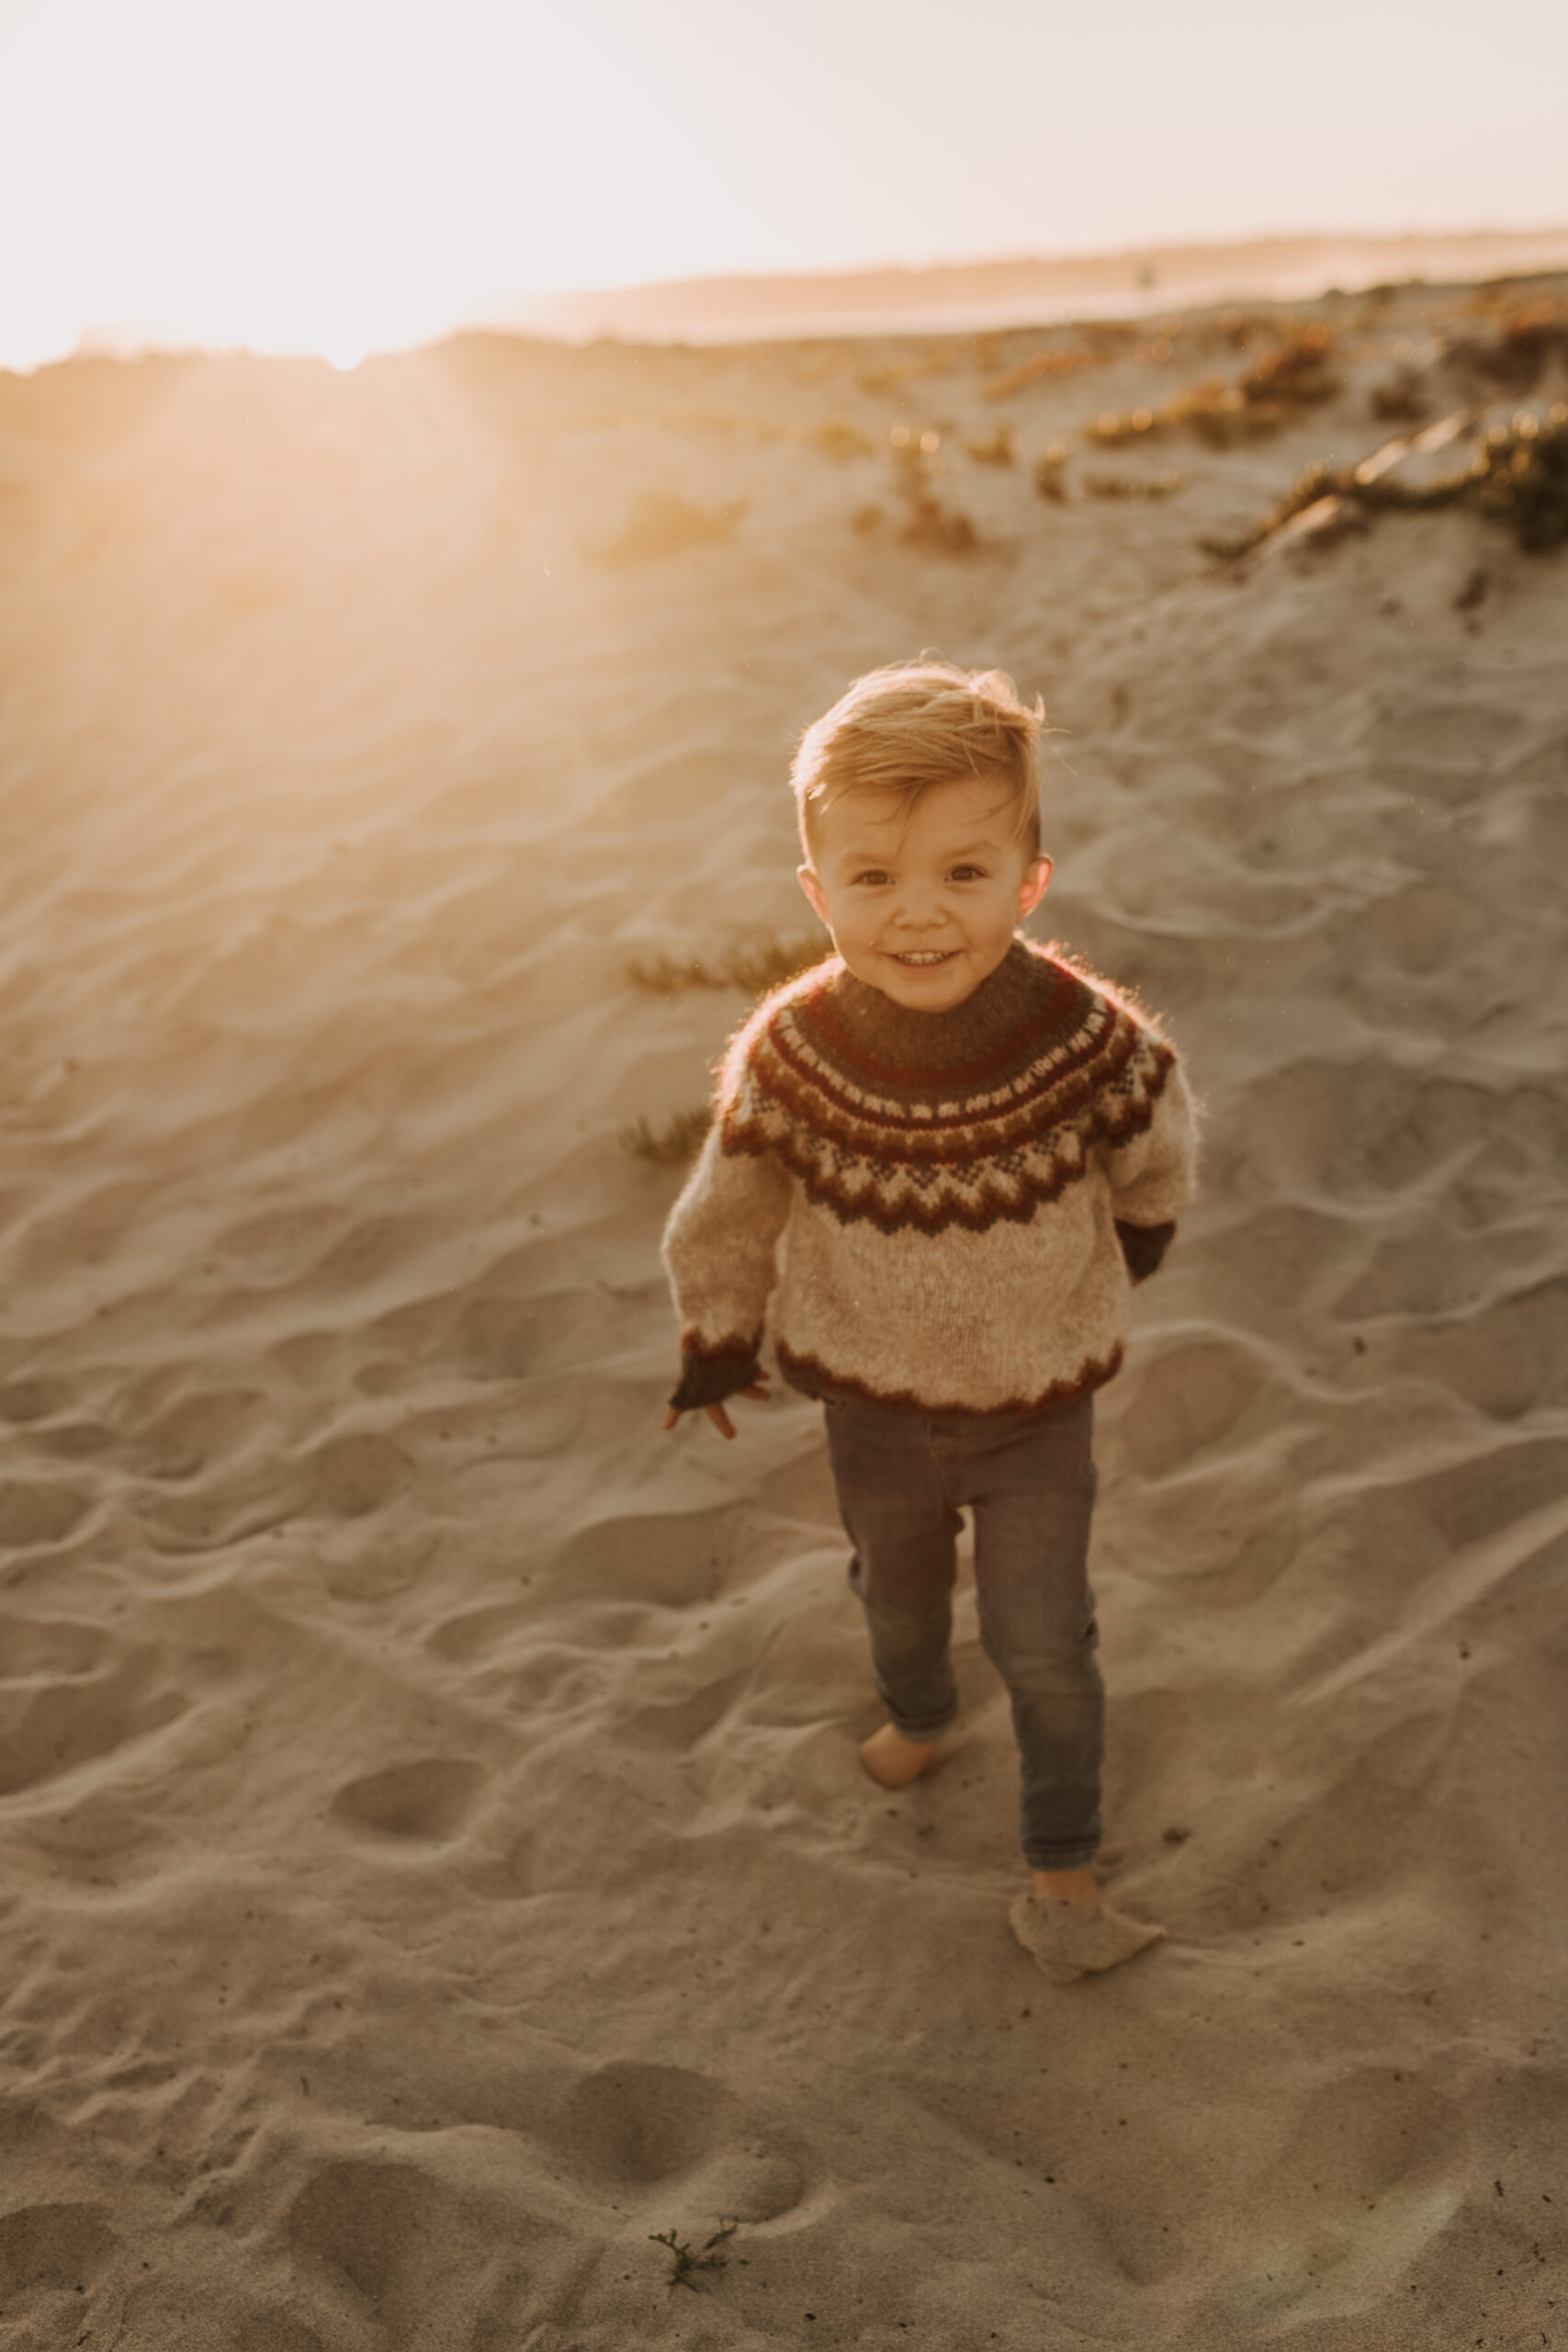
(717, 1414)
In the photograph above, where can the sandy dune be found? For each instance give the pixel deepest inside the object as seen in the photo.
(954, 297)
(434, 1860)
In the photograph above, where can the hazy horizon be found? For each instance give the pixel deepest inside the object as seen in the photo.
(322, 177)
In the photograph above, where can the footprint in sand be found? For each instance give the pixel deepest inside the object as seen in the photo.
(1347, 1127)
(424, 1801)
(274, 2332)
(197, 1432)
(351, 1477)
(1376, 2169)
(374, 2227)
(678, 1724)
(474, 1632)
(632, 2126)
(32, 1647)
(64, 1724)
(38, 1510)
(630, 2130)
(62, 2246)
(418, 2260)
(375, 1565)
(1187, 1399)
(670, 1560)
(22, 1401)
(1505, 1358)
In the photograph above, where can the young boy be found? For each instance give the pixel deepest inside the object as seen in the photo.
(938, 1163)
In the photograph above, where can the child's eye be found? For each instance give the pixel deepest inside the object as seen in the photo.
(968, 874)
(873, 875)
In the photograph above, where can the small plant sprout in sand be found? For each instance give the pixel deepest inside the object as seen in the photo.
(1051, 473)
(661, 522)
(686, 2260)
(1403, 398)
(834, 438)
(1044, 364)
(941, 530)
(1135, 485)
(666, 1146)
(750, 965)
(993, 449)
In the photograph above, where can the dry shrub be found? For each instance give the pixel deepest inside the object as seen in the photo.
(993, 449)
(750, 964)
(1518, 475)
(1051, 473)
(1295, 372)
(663, 522)
(1318, 482)
(836, 439)
(1292, 376)
(663, 1147)
(1282, 384)
(939, 529)
(1044, 364)
(1120, 431)
(937, 360)
(928, 523)
(1401, 399)
(1517, 358)
(1148, 486)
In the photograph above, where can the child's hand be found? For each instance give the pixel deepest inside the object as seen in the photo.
(717, 1414)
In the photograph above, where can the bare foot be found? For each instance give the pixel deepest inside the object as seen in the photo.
(892, 1761)
(1078, 1886)
(1069, 1940)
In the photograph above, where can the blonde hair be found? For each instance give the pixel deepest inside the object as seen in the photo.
(915, 724)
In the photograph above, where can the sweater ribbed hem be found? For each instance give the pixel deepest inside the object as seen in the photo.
(814, 1379)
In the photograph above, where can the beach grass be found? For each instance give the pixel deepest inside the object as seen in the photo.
(753, 965)
(1518, 475)
(663, 522)
(667, 1146)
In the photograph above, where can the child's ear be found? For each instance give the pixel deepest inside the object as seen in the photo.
(1032, 890)
(815, 892)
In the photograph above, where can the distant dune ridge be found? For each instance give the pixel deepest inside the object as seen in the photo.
(960, 296)
(436, 1885)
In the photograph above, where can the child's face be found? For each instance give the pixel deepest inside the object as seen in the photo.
(923, 903)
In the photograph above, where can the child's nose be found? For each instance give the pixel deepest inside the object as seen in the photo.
(921, 909)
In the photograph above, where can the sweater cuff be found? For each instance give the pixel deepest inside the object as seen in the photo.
(1143, 1247)
(712, 1370)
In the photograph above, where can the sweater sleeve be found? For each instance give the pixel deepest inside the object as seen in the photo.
(1152, 1178)
(720, 1252)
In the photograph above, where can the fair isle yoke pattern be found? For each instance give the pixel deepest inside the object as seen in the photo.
(921, 1121)
(937, 1213)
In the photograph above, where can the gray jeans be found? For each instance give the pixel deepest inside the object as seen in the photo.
(1030, 1480)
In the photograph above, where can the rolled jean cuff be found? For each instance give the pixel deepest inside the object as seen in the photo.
(1062, 1858)
(923, 1732)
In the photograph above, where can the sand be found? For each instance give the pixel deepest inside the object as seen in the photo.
(435, 1861)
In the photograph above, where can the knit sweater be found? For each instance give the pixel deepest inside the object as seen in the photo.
(944, 1212)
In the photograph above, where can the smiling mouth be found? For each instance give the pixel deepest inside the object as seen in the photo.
(922, 959)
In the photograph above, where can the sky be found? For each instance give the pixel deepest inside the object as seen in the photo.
(341, 175)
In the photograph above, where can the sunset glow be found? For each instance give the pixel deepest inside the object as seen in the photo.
(333, 177)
